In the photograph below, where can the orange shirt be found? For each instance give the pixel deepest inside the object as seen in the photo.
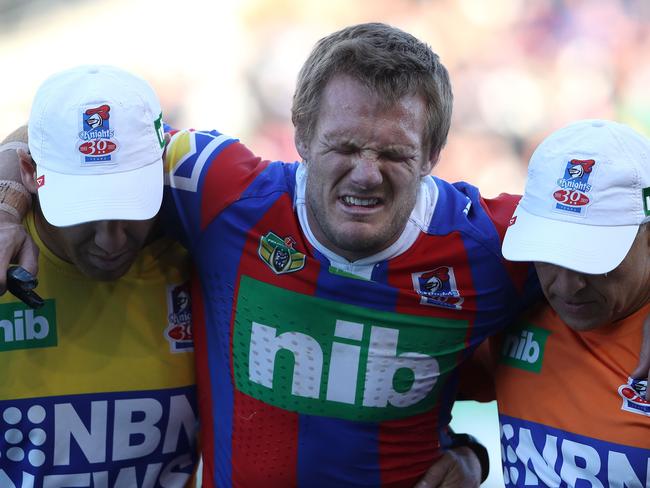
(569, 414)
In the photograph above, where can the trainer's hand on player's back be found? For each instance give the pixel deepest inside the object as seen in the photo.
(16, 246)
(642, 370)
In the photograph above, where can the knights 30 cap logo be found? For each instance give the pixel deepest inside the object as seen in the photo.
(633, 395)
(97, 144)
(437, 288)
(279, 254)
(573, 194)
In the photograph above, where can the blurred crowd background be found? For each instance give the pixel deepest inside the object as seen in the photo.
(519, 68)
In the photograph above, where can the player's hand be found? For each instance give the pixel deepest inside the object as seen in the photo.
(642, 371)
(16, 246)
(457, 468)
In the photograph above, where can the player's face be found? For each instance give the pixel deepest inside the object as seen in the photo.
(365, 162)
(585, 301)
(102, 250)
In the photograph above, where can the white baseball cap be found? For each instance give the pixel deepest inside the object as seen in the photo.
(95, 134)
(587, 192)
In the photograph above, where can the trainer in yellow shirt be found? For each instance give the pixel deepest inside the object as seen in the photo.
(98, 384)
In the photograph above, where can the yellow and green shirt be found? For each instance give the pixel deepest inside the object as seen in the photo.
(97, 386)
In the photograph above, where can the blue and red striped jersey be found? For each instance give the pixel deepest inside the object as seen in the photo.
(314, 371)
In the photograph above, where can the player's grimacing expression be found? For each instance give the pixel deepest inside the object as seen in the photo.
(365, 163)
(102, 250)
(587, 301)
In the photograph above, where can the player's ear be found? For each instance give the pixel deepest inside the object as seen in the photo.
(27, 170)
(429, 163)
(302, 147)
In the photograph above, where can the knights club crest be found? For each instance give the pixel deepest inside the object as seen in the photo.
(633, 395)
(279, 254)
(437, 288)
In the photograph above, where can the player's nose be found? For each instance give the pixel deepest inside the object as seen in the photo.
(110, 236)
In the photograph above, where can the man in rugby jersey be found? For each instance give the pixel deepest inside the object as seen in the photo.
(335, 298)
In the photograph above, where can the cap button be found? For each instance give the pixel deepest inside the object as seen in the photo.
(597, 123)
(93, 71)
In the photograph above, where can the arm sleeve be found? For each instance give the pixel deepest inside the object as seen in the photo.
(477, 373)
(522, 274)
(205, 171)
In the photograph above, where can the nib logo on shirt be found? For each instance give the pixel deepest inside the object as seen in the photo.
(24, 328)
(523, 347)
(318, 356)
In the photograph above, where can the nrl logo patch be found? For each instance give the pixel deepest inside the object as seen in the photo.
(437, 288)
(633, 394)
(279, 254)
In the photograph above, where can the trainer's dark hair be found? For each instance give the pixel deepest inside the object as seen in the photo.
(387, 60)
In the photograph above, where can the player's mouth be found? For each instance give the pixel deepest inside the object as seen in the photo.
(577, 307)
(360, 204)
(110, 261)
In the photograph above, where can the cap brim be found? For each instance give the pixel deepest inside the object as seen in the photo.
(592, 249)
(75, 199)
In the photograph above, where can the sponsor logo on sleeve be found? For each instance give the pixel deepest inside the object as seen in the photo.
(179, 319)
(633, 395)
(437, 288)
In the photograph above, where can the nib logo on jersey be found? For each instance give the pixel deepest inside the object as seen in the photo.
(119, 440)
(574, 186)
(179, 328)
(324, 357)
(437, 288)
(97, 136)
(537, 455)
(25, 328)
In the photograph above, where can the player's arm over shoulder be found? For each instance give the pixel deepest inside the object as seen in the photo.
(500, 210)
(205, 171)
(208, 160)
